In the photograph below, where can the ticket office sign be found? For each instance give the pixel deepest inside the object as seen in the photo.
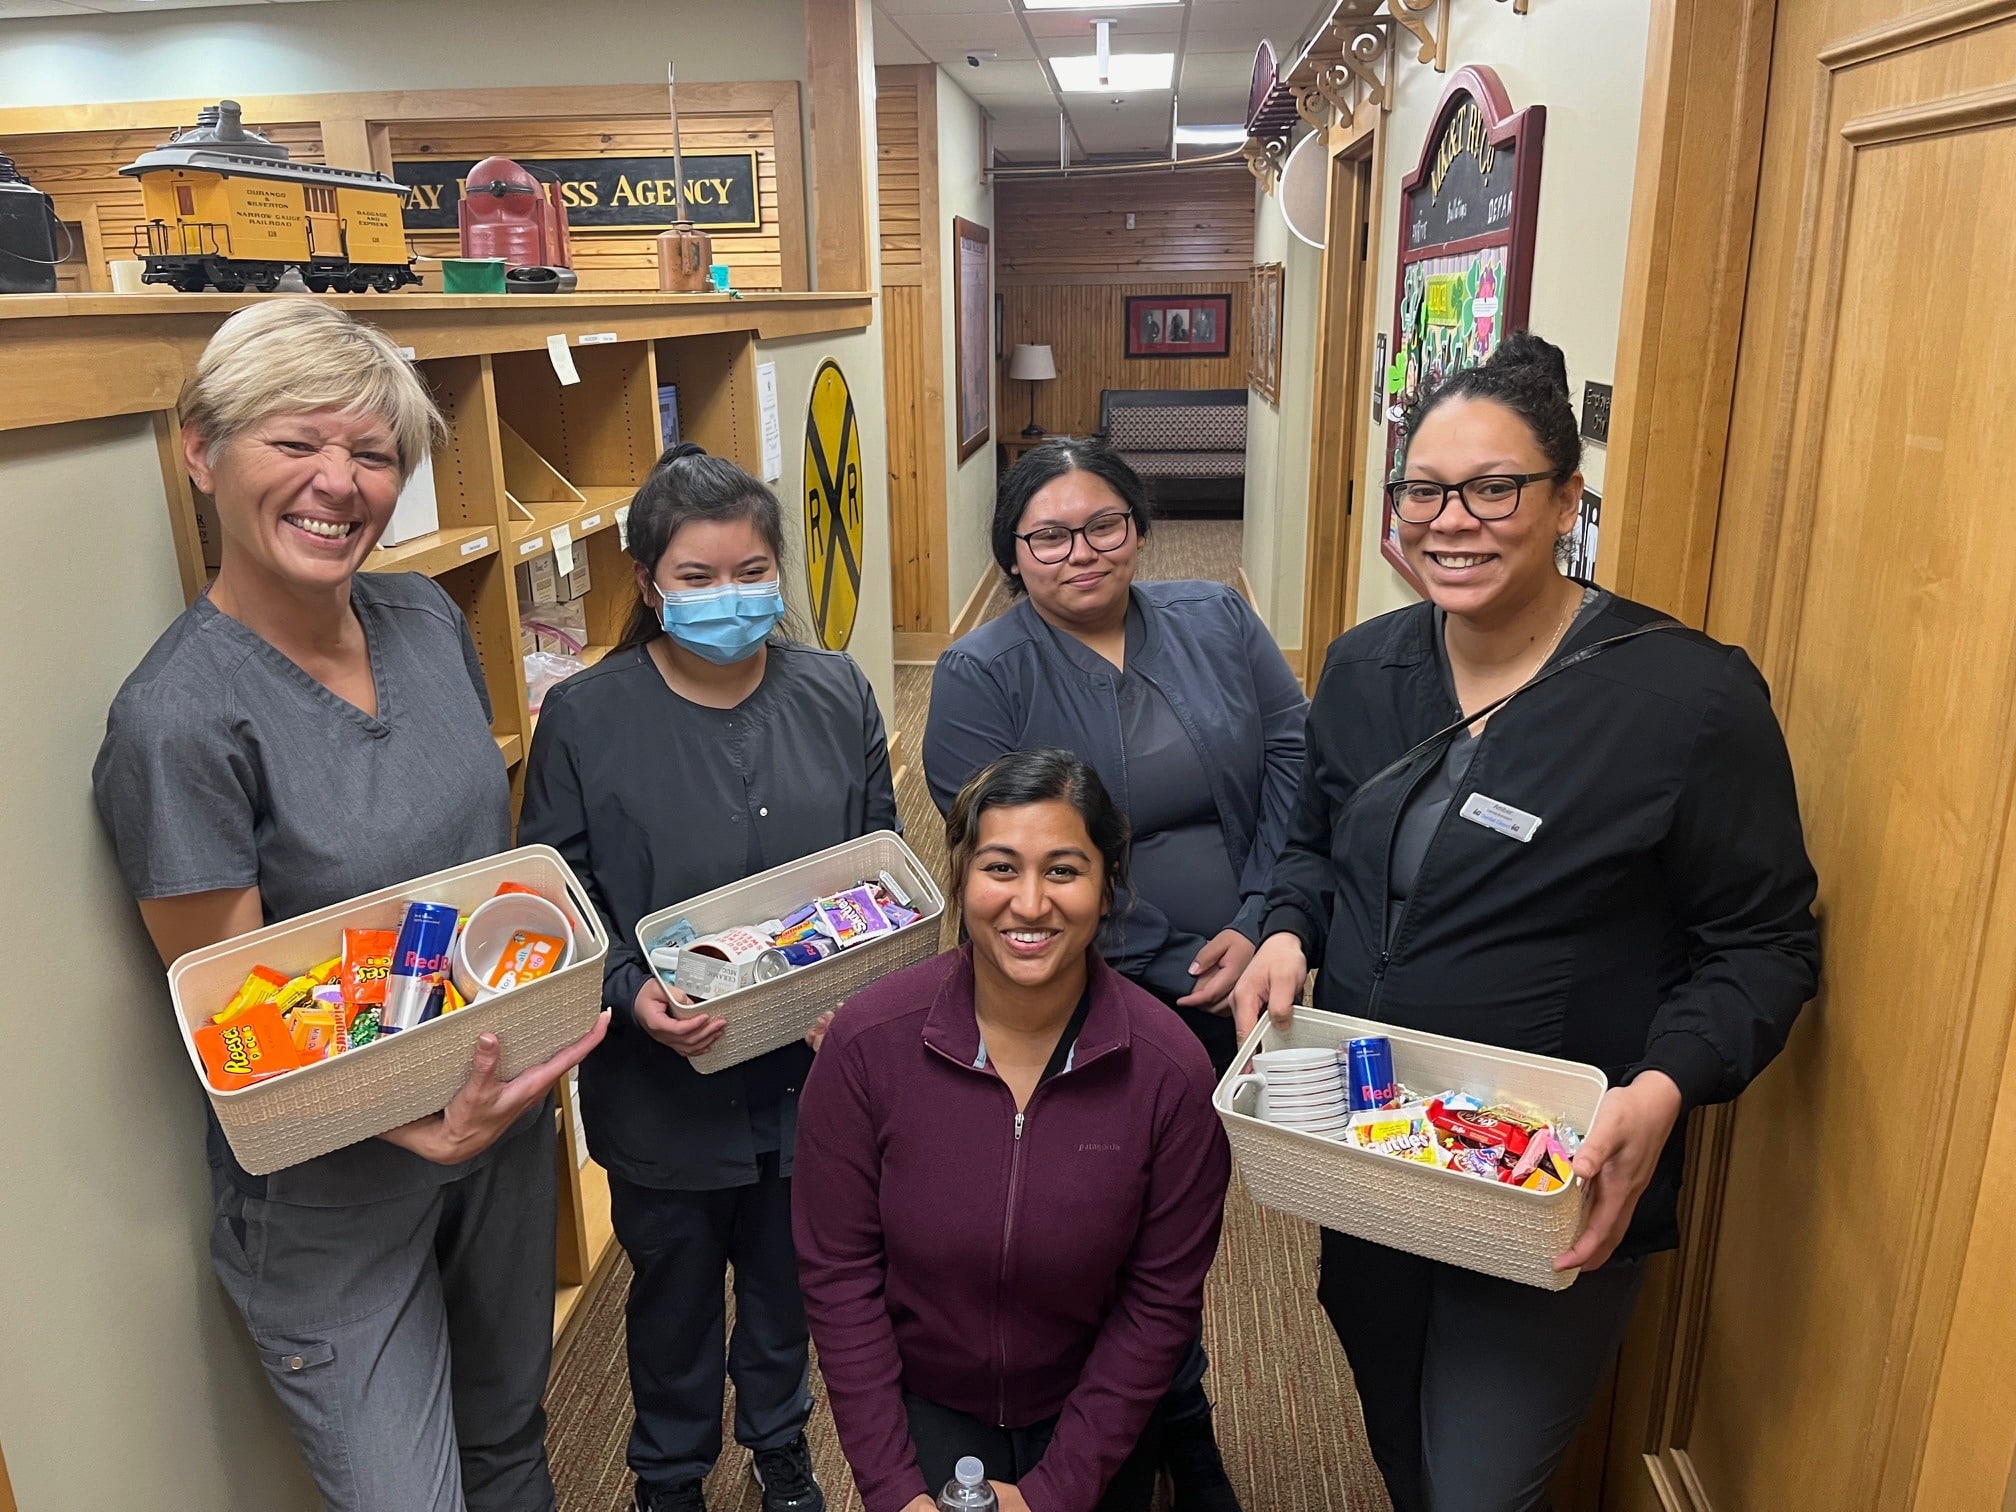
(1466, 250)
(604, 193)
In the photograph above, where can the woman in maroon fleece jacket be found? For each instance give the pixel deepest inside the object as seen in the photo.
(1010, 1178)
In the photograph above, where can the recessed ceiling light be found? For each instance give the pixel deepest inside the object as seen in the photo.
(1210, 136)
(1126, 71)
(1084, 5)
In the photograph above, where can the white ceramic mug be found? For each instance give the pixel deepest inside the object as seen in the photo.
(1294, 1105)
(1316, 1062)
(126, 276)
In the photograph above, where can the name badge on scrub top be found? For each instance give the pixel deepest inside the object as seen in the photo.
(1502, 817)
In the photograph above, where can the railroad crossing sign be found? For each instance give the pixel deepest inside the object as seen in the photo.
(833, 508)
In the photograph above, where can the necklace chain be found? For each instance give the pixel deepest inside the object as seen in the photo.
(1560, 630)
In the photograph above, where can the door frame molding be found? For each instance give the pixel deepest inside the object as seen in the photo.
(1687, 262)
(1346, 317)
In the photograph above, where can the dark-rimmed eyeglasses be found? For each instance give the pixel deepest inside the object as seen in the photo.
(1493, 496)
(1051, 544)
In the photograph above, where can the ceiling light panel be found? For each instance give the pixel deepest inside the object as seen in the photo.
(1125, 72)
(1080, 5)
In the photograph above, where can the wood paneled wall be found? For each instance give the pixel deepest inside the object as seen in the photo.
(1187, 224)
(1084, 325)
(913, 358)
(618, 260)
(80, 166)
(899, 190)
(80, 171)
(1066, 261)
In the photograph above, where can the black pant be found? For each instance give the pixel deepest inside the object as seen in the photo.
(1473, 1387)
(943, 1437)
(1216, 1032)
(681, 1245)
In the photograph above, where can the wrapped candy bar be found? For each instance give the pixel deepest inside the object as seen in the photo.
(1401, 1132)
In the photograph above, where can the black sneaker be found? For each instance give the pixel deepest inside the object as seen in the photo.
(686, 1498)
(786, 1478)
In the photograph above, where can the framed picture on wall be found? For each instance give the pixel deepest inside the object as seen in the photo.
(1465, 267)
(972, 326)
(1179, 325)
(1263, 358)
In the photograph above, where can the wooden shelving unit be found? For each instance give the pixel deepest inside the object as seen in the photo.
(82, 357)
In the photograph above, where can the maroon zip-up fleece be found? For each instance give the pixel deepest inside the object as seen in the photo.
(1012, 1267)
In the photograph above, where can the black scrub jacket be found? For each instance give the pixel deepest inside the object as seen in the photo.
(1660, 917)
(654, 800)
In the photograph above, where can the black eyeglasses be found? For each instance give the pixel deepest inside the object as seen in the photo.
(1051, 544)
(1493, 496)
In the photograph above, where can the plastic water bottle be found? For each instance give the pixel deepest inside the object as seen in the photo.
(968, 1490)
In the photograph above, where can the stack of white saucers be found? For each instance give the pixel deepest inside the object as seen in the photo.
(1301, 1089)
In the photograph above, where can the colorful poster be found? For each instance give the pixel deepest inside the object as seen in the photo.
(1465, 251)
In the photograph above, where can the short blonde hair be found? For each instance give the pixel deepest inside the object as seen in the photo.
(284, 356)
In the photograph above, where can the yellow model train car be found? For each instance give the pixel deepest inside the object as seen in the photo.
(224, 207)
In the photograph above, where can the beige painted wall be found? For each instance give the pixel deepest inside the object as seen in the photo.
(859, 354)
(1277, 436)
(393, 44)
(128, 1379)
(969, 486)
(1585, 61)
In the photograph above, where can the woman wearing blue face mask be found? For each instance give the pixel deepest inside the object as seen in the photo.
(704, 748)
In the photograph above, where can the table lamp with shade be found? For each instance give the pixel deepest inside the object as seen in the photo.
(1036, 365)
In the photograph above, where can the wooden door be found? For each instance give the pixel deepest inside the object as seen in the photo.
(1343, 385)
(1838, 1336)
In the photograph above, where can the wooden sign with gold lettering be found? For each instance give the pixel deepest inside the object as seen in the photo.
(604, 193)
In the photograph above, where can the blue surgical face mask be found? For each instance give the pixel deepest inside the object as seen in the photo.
(726, 623)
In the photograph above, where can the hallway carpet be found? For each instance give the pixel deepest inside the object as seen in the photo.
(1288, 1418)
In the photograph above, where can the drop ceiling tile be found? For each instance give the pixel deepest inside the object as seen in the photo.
(997, 31)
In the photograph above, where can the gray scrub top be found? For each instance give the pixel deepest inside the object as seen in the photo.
(1421, 816)
(225, 765)
(1179, 861)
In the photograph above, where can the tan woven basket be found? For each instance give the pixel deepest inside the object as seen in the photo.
(772, 1014)
(1444, 1215)
(337, 1102)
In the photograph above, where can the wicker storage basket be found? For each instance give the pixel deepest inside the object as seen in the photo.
(774, 1013)
(1444, 1215)
(333, 1103)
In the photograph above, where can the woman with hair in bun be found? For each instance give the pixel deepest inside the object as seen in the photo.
(704, 748)
(1606, 867)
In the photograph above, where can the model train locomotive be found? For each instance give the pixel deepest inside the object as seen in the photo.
(224, 207)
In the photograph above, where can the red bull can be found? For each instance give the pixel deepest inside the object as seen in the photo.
(1368, 1073)
(419, 959)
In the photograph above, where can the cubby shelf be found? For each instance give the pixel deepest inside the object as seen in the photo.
(436, 552)
(597, 511)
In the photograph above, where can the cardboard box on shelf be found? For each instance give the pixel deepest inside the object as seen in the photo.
(538, 582)
(418, 511)
(573, 585)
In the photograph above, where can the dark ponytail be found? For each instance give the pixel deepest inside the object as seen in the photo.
(685, 484)
(1529, 376)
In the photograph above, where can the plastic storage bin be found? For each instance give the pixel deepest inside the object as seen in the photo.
(1483, 1226)
(396, 1079)
(763, 1017)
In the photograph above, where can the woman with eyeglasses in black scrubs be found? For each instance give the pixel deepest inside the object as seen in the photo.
(1608, 868)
